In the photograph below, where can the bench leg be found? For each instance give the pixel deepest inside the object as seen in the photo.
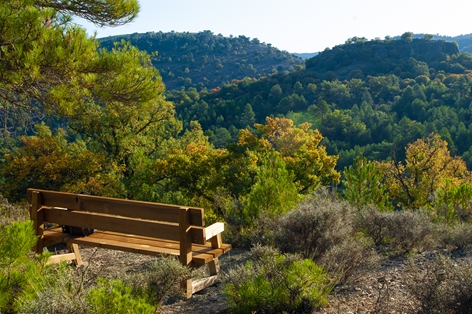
(187, 287)
(74, 248)
(214, 267)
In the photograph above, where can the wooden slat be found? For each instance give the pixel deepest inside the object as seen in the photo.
(196, 248)
(119, 224)
(185, 237)
(37, 216)
(214, 229)
(200, 253)
(115, 206)
(200, 284)
(198, 258)
(61, 257)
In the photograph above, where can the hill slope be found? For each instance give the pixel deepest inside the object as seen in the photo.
(208, 60)
(370, 105)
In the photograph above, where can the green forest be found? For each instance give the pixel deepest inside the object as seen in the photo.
(321, 166)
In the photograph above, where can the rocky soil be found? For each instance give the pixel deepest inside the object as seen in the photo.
(381, 290)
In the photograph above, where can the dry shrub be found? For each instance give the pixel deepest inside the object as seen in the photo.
(63, 294)
(10, 213)
(322, 228)
(441, 285)
(458, 235)
(316, 225)
(161, 280)
(350, 259)
(401, 231)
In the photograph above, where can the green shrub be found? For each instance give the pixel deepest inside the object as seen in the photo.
(62, 295)
(20, 276)
(276, 283)
(320, 228)
(113, 297)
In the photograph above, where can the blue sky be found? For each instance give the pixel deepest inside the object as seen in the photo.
(300, 25)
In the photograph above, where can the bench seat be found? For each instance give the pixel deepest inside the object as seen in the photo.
(201, 253)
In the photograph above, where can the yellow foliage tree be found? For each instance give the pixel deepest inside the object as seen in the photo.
(300, 149)
(48, 161)
(429, 168)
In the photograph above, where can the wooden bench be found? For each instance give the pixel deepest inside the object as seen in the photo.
(130, 226)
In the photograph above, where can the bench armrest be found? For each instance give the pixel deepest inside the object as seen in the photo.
(214, 230)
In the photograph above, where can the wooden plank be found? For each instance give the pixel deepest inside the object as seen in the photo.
(120, 224)
(214, 229)
(121, 207)
(62, 257)
(75, 249)
(214, 266)
(197, 258)
(113, 223)
(127, 238)
(200, 284)
(216, 241)
(185, 237)
(55, 235)
(37, 216)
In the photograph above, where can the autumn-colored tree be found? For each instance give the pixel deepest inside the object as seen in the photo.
(300, 149)
(429, 168)
(48, 161)
(187, 169)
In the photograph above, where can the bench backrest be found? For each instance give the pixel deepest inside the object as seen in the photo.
(165, 221)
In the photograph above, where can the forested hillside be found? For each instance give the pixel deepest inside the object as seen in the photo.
(325, 171)
(464, 41)
(206, 60)
(365, 97)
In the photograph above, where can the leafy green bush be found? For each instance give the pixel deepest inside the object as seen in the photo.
(113, 297)
(20, 276)
(276, 283)
(63, 295)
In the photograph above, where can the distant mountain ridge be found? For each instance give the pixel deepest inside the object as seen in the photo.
(359, 57)
(305, 55)
(207, 60)
(464, 41)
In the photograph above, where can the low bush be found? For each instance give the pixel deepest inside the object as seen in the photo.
(316, 225)
(161, 280)
(114, 297)
(276, 283)
(10, 213)
(63, 295)
(458, 236)
(350, 259)
(20, 275)
(441, 285)
(400, 231)
(321, 228)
